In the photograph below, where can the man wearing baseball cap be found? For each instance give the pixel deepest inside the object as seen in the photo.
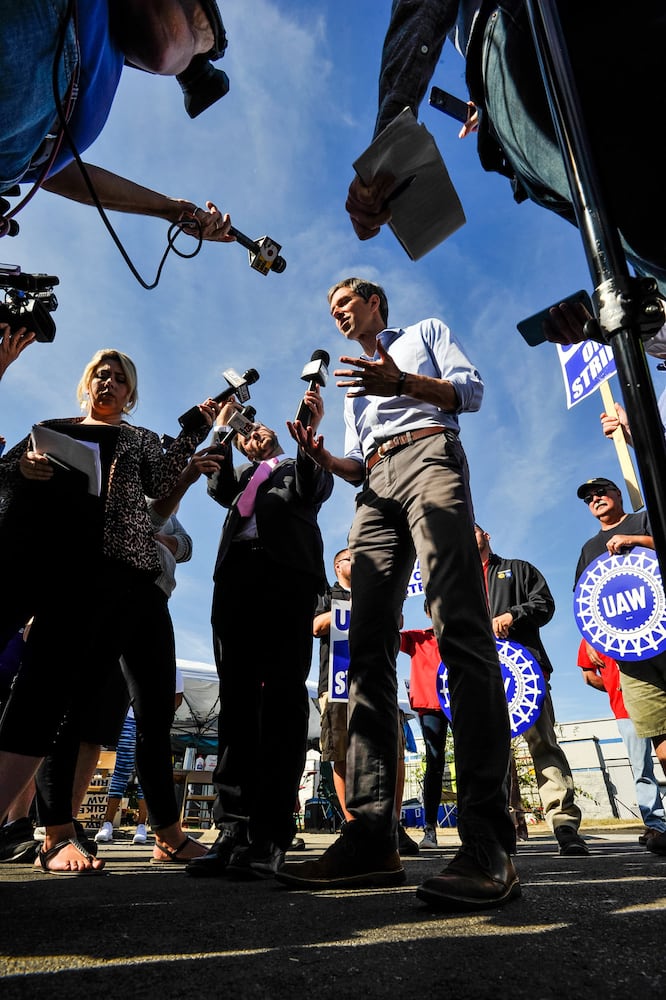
(643, 682)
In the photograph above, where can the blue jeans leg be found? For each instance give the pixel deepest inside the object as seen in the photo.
(648, 797)
(30, 31)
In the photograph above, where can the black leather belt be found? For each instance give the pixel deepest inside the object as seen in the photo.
(401, 441)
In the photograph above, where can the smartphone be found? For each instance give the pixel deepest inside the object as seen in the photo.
(449, 104)
(531, 328)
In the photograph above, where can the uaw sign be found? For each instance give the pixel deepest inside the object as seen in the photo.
(620, 607)
(584, 367)
(415, 585)
(524, 685)
(338, 657)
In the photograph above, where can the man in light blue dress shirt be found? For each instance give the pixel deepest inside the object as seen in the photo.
(402, 446)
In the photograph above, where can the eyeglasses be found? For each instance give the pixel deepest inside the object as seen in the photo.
(593, 494)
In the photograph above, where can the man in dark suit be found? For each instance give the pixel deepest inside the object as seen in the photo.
(268, 574)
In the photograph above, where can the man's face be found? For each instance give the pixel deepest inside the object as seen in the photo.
(603, 500)
(353, 316)
(342, 567)
(260, 444)
(482, 539)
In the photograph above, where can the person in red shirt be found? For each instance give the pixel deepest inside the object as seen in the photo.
(421, 645)
(602, 673)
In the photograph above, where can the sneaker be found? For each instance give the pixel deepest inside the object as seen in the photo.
(256, 861)
(406, 846)
(17, 843)
(349, 863)
(429, 840)
(140, 837)
(571, 845)
(105, 834)
(656, 842)
(297, 844)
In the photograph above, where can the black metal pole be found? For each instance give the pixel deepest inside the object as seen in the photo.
(617, 294)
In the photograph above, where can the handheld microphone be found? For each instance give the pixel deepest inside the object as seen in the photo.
(263, 252)
(192, 420)
(239, 423)
(315, 373)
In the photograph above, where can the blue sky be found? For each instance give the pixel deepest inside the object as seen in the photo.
(276, 153)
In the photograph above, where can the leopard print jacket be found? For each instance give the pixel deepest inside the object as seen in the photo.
(139, 468)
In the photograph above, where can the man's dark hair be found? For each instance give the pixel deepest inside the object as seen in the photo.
(365, 289)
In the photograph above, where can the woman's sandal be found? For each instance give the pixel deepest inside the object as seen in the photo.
(45, 856)
(172, 853)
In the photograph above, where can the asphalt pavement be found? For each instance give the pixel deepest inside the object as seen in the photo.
(591, 926)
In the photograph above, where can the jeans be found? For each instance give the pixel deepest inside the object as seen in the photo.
(648, 797)
(617, 55)
(416, 501)
(434, 726)
(30, 31)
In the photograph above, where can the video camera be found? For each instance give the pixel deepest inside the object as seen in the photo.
(29, 300)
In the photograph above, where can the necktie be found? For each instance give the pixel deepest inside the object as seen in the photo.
(248, 497)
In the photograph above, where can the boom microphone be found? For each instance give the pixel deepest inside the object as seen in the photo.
(315, 373)
(192, 419)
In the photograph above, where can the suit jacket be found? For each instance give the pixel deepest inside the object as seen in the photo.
(286, 511)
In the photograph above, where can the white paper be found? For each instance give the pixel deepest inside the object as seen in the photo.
(428, 210)
(73, 454)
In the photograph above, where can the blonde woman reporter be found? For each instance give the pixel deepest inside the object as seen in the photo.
(88, 575)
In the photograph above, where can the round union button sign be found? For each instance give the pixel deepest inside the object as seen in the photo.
(524, 685)
(620, 607)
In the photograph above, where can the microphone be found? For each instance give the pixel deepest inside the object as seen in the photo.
(192, 419)
(263, 252)
(239, 423)
(315, 373)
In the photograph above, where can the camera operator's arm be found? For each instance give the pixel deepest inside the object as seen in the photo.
(119, 194)
(11, 345)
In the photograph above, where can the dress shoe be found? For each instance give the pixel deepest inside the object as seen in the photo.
(571, 845)
(406, 846)
(350, 862)
(479, 877)
(17, 844)
(257, 861)
(215, 863)
(656, 842)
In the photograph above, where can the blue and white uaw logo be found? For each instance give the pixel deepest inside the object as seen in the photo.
(524, 685)
(338, 661)
(620, 606)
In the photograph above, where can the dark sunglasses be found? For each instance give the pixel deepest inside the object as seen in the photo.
(600, 491)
